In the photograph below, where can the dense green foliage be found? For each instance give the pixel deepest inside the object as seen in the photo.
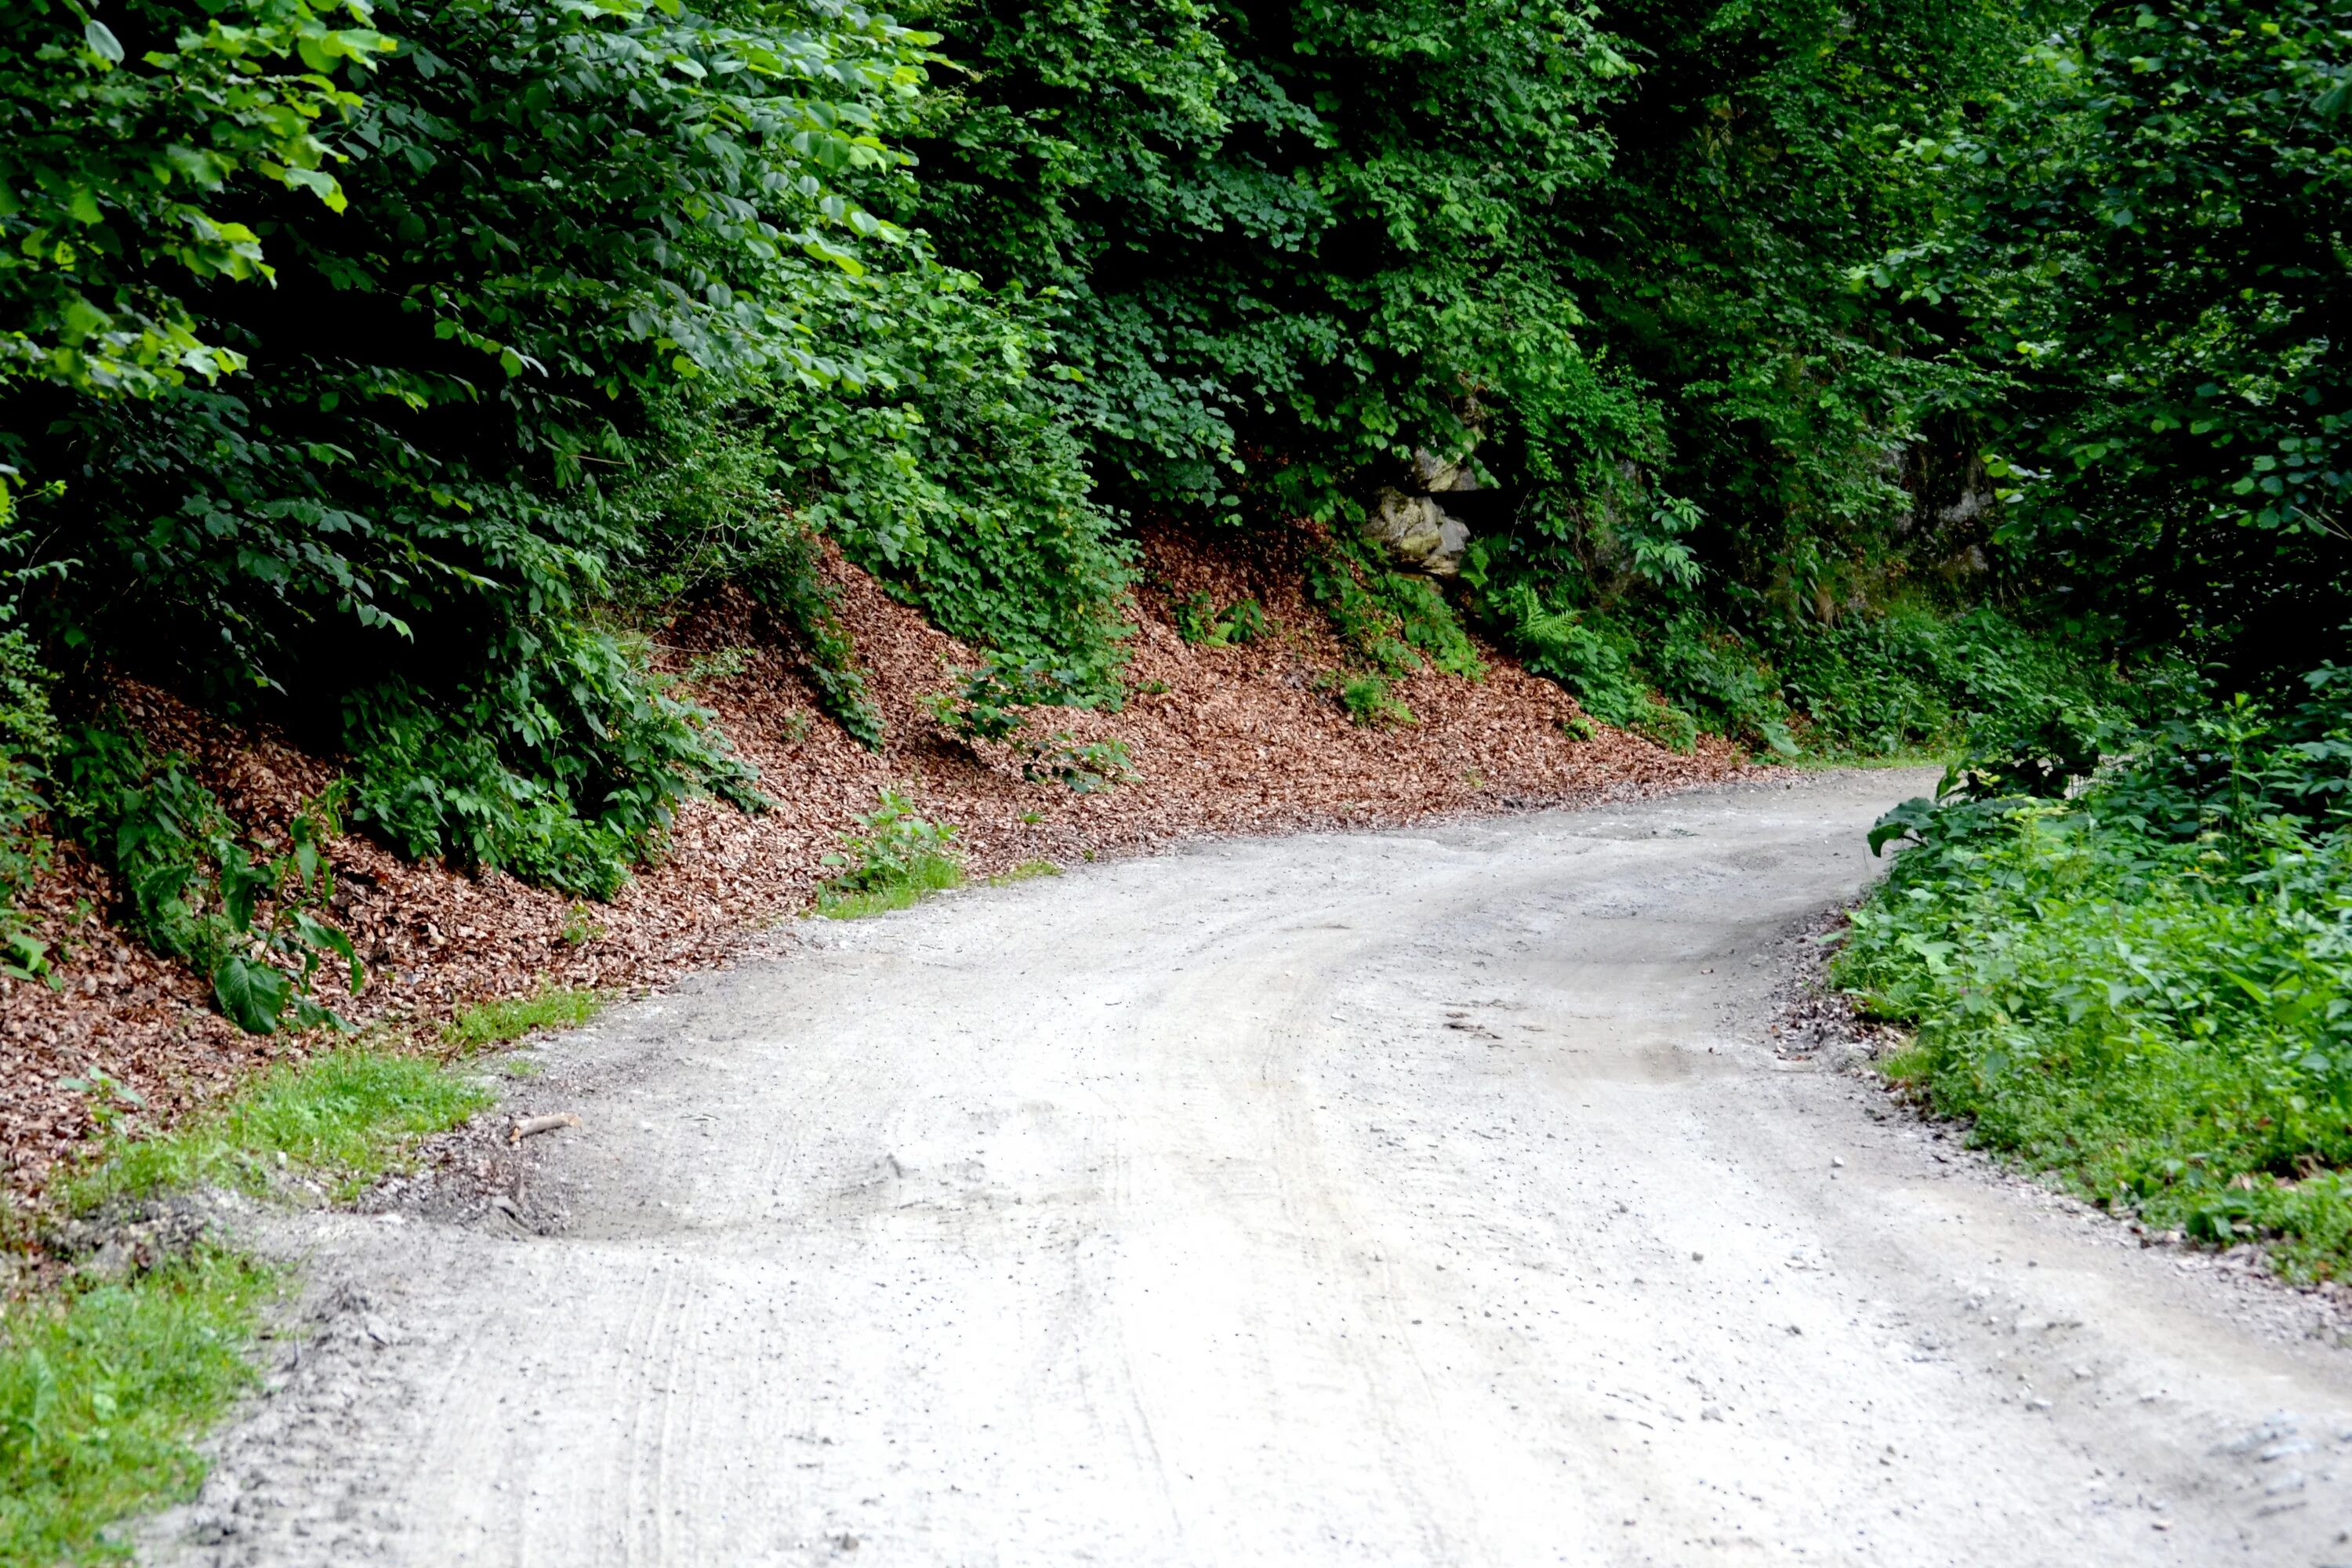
(2147, 987)
(566, 311)
(2142, 265)
(2138, 273)
(398, 372)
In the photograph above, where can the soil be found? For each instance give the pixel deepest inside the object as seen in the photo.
(1434, 1194)
(1226, 739)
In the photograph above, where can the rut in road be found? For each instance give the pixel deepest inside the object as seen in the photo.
(1408, 1197)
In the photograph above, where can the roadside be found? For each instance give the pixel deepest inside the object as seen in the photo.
(1232, 738)
(1430, 1196)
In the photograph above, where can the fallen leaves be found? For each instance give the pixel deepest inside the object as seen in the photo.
(1227, 739)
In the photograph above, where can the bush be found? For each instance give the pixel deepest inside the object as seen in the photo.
(892, 858)
(401, 489)
(2146, 989)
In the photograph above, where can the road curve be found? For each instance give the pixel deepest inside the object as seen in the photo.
(1430, 1196)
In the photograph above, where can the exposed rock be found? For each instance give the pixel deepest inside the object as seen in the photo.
(1420, 534)
(1417, 528)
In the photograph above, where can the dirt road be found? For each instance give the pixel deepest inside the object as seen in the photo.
(1422, 1197)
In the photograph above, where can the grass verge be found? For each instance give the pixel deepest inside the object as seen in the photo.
(906, 885)
(102, 1390)
(487, 1023)
(106, 1384)
(342, 1117)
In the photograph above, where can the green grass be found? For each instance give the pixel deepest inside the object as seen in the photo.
(906, 885)
(487, 1023)
(1027, 870)
(345, 1116)
(102, 1391)
(104, 1386)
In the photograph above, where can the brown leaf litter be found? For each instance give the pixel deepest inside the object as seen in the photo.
(1227, 739)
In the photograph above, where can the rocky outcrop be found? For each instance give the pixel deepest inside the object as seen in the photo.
(1414, 526)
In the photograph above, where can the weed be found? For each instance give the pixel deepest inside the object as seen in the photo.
(1390, 621)
(487, 1024)
(986, 707)
(893, 858)
(522, 1067)
(1371, 703)
(581, 925)
(108, 1102)
(723, 664)
(1087, 769)
(102, 1391)
(1151, 688)
(794, 727)
(346, 1115)
(1027, 870)
(1577, 727)
(1200, 623)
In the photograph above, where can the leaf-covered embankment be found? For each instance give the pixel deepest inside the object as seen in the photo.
(1247, 736)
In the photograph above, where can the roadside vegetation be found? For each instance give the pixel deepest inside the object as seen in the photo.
(2147, 987)
(961, 295)
(103, 1389)
(893, 859)
(487, 1024)
(108, 1376)
(1900, 377)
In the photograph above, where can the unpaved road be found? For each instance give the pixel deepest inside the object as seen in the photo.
(1421, 1197)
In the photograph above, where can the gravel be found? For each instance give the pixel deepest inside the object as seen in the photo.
(1228, 739)
(1160, 1214)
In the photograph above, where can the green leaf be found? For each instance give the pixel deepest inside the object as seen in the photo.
(253, 995)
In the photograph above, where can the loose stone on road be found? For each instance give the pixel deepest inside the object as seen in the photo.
(1427, 1196)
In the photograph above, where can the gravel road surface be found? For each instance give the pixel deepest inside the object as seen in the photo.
(1422, 1197)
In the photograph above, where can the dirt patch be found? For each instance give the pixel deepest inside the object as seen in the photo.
(1227, 739)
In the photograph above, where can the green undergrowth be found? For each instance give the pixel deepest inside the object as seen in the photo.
(892, 860)
(1904, 680)
(104, 1390)
(344, 1118)
(106, 1384)
(487, 1023)
(2144, 990)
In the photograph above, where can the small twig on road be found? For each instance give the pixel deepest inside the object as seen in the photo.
(533, 1126)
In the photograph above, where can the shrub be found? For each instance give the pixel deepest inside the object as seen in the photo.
(2146, 989)
(892, 858)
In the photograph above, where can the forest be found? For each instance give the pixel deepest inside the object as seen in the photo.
(1817, 384)
(1960, 379)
